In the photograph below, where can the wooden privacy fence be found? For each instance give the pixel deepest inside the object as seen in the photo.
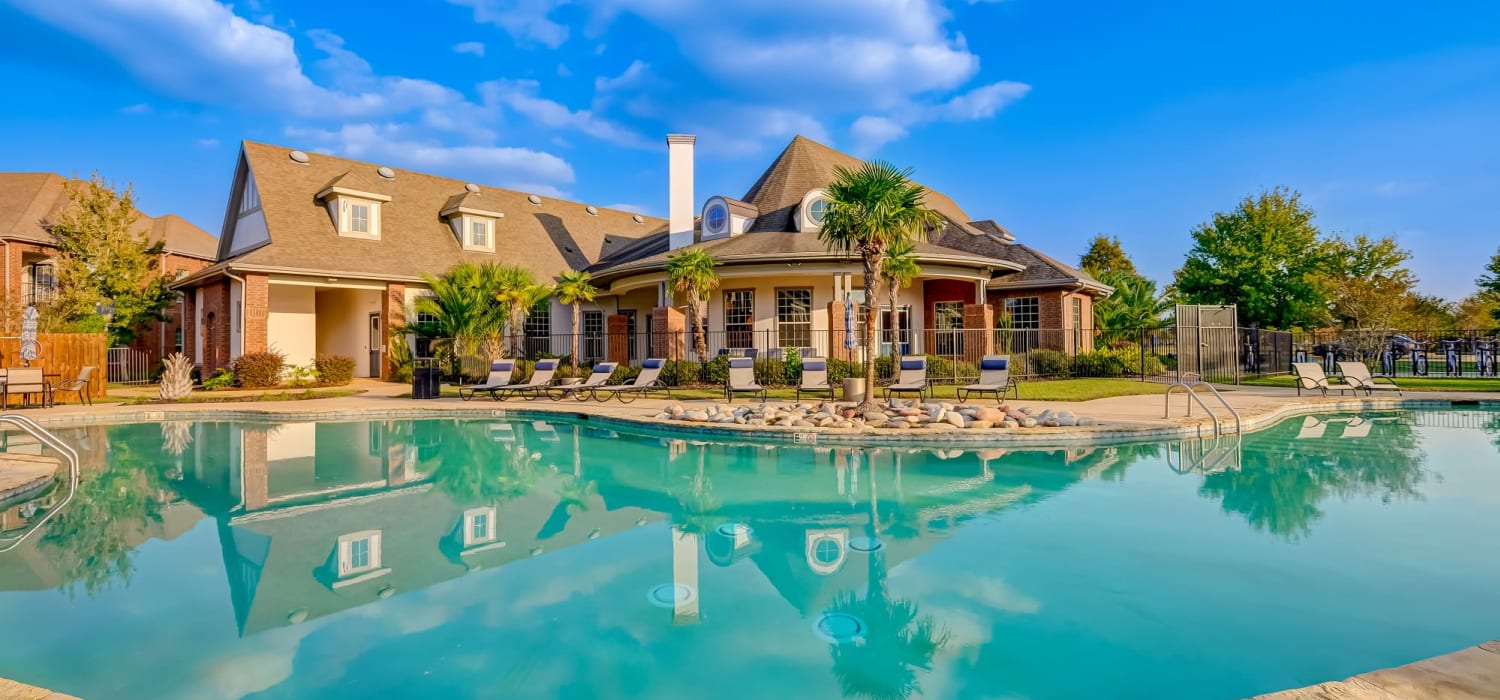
(62, 354)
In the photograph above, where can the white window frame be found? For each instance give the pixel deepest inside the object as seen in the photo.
(471, 518)
(345, 209)
(468, 222)
(346, 567)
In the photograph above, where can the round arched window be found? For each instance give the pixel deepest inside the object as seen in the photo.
(717, 218)
(826, 551)
(817, 210)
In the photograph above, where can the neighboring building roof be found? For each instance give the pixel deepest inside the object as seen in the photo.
(30, 201)
(548, 238)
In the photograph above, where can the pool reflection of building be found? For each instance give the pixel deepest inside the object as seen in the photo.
(315, 518)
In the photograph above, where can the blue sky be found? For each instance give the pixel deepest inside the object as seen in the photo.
(1058, 119)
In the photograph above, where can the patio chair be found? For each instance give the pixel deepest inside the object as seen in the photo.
(24, 382)
(1310, 376)
(1357, 427)
(1312, 428)
(79, 384)
(647, 381)
(501, 372)
(912, 378)
(544, 431)
(814, 377)
(742, 379)
(541, 376)
(1357, 375)
(599, 377)
(994, 378)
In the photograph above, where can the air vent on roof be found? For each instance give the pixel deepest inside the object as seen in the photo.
(638, 219)
(385, 172)
(533, 199)
(472, 188)
(593, 211)
(297, 156)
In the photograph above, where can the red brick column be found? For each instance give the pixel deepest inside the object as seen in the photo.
(190, 324)
(216, 320)
(979, 327)
(255, 472)
(393, 313)
(617, 338)
(668, 333)
(257, 312)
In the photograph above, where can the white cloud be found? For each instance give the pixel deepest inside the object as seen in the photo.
(207, 143)
(634, 76)
(632, 208)
(736, 130)
(525, 21)
(870, 132)
(139, 108)
(475, 48)
(520, 96)
(397, 145)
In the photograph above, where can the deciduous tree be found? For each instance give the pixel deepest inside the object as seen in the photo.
(1104, 257)
(1366, 281)
(1489, 283)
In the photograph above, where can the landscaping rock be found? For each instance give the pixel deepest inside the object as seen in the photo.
(981, 425)
(956, 420)
(1088, 420)
(993, 415)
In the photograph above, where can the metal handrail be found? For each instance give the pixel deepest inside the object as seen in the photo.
(31, 428)
(1188, 388)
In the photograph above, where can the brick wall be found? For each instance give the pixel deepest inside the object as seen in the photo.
(257, 312)
(215, 330)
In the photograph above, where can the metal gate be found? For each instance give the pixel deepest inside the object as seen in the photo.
(1208, 343)
(130, 366)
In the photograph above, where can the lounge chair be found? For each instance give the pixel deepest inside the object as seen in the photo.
(1357, 427)
(1310, 376)
(501, 372)
(912, 378)
(24, 382)
(814, 377)
(502, 432)
(647, 381)
(742, 379)
(994, 378)
(1357, 375)
(544, 431)
(79, 384)
(599, 377)
(541, 377)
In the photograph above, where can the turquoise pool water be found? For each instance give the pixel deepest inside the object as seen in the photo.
(512, 559)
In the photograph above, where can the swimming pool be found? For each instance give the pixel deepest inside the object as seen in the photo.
(521, 559)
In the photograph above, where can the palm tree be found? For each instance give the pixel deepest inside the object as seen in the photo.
(871, 210)
(518, 292)
(1135, 305)
(692, 274)
(575, 288)
(898, 271)
(461, 306)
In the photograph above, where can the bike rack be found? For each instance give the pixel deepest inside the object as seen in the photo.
(31, 428)
(1189, 388)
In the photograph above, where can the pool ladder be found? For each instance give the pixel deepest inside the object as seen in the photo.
(56, 444)
(1190, 388)
(1202, 455)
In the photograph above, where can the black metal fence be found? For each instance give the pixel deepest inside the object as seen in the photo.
(1404, 353)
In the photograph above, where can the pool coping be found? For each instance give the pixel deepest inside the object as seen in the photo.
(1105, 433)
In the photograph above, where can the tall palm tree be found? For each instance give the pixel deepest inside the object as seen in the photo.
(575, 288)
(518, 292)
(461, 306)
(871, 210)
(692, 274)
(898, 271)
(1134, 306)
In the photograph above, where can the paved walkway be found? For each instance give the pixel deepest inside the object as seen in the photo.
(1470, 674)
(23, 474)
(1119, 418)
(11, 690)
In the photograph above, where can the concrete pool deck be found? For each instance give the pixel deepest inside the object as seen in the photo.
(1468, 674)
(1120, 418)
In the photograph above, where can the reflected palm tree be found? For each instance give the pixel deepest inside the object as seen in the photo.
(474, 469)
(696, 498)
(1284, 478)
(897, 640)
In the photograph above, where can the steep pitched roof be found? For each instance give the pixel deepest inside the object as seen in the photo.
(1040, 269)
(548, 238)
(806, 165)
(29, 201)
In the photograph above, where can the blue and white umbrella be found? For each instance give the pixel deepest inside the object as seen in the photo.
(29, 346)
(849, 341)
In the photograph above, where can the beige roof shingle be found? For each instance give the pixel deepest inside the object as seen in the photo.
(30, 201)
(548, 238)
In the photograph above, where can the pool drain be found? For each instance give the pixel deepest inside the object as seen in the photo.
(671, 595)
(839, 628)
(735, 530)
(866, 544)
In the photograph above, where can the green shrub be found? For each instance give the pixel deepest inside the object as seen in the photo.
(1049, 363)
(716, 372)
(258, 370)
(222, 379)
(300, 375)
(625, 374)
(566, 371)
(839, 370)
(681, 372)
(1100, 363)
(793, 359)
(771, 372)
(884, 367)
(336, 370)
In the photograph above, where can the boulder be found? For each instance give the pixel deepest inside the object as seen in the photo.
(1029, 422)
(784, 423)
(981, 425)
(956, 420)
(993, 415)
(1009, 424)
(1066, 421)
(1088, 420)
(873, 416)
(1050, 422)
(698, 416)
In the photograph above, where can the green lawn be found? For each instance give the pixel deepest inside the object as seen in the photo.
(1406, 383)
(1053, 390)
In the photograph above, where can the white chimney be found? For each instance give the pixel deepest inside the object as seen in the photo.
(680, 194)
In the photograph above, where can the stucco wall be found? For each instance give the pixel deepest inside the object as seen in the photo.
(292, 324)
(343, 324)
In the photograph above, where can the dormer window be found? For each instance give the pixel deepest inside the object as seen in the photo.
(473, 225)
(718, 217)
(812, 210)
(817, 210)
(356, 214)
(479, 233)
(357, 217)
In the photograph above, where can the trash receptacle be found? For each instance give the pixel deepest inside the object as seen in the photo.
(854, 389)
(425, 382)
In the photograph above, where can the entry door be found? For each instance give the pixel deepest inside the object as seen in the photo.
(377, 341)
